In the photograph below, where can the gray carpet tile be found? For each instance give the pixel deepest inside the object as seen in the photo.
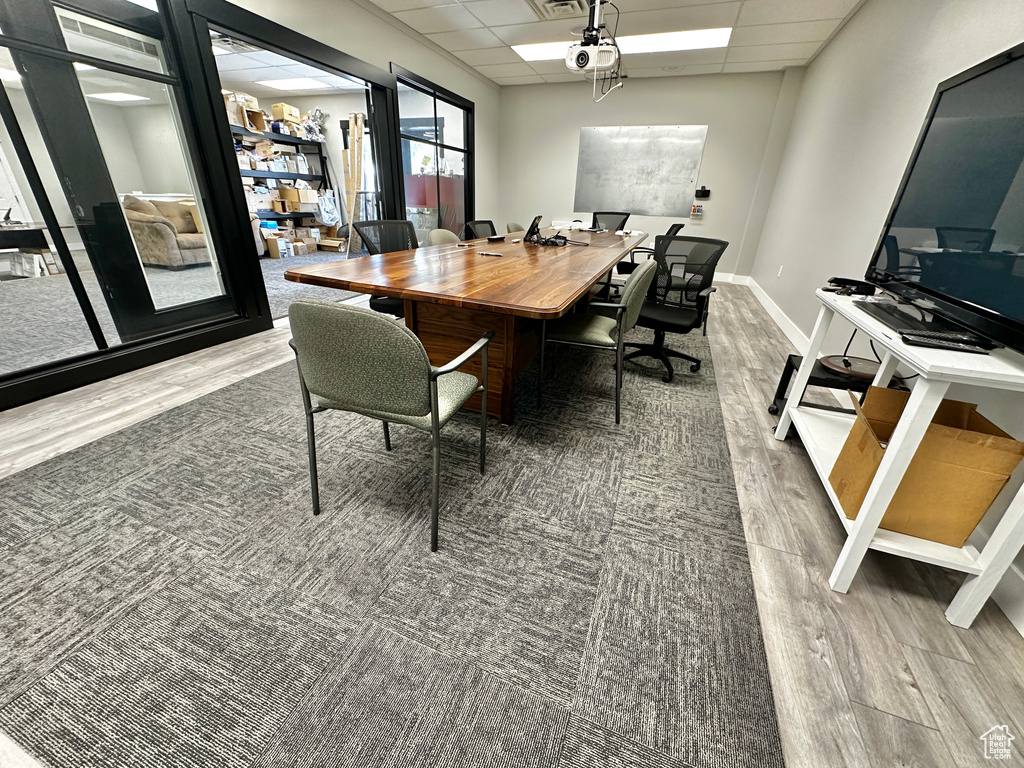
(591, 746)
(511, 594)
(595, 569)
(202, 673)
(66, 585)
(394, 702)
(672, 660)
(281, 292)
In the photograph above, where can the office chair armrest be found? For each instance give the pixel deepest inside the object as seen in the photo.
(707, 291)
(606, 305)
(291, 343)
(459, 361)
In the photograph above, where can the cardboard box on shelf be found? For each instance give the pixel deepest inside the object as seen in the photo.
(244, 162)
(301, 163)
(277, 166)
(961, 465)
(265, 149)
(255, 121)
(244, 99)
(301, 207)
(300, 195)
(286, 112)
(299, 248)
(314, 232)
(293, 167)
(280, 206)
(301, 232)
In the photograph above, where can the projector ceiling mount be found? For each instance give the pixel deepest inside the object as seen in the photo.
(598, 55)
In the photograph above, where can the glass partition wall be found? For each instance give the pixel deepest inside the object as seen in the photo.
(124, 232)
(437, 155)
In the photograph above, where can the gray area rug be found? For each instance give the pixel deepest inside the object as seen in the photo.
(167, 599)
(43, 322)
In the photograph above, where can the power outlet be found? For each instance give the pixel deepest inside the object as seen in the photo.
(780, 272)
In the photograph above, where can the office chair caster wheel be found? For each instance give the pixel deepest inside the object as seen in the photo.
(668, 377)
(773, 409)
(695, 367)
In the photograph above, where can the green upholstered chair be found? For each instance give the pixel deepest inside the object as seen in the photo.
(514, 226)
(354, 359)
(604, 327)
(442, 236)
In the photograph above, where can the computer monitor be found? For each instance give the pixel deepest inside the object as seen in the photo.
(533, 231)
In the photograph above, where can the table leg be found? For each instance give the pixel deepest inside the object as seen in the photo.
(885, 370)
(796, 393)
(917, 415)
(1006, 541)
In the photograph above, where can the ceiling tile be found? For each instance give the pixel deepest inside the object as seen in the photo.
(763, 66)
(505, 70)
(502, 55)
(568, 77)
(801, 51)
(526, 80)
(674, 58)
(549, 67)
(538, 32)
(702, 69)
(466, 40)
(698, 69)
(654, 5)
(793, 32)
(781, 11)
(229, 62)
(677, 19)
(494, 13)
(394, 6)
(441, 18)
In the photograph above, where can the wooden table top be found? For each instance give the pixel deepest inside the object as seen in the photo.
(527, 280)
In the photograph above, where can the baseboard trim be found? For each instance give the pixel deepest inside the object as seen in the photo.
(1009, 595)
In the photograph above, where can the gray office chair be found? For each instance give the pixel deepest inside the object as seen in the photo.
(625, 267)
(965, 238)
(678, 299)
(442, 236)
(352, 359)
(386, 236)
(610, 220)
(601, 331)
(514, 226)
(479, 228)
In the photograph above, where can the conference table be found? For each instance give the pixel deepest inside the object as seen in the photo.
(454, 293)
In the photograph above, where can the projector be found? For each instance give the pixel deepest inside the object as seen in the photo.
(591, 58)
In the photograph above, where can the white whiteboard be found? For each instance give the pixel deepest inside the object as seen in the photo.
(647, 170)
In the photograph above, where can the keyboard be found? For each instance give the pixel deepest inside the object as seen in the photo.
(941, 340)
(959, 336)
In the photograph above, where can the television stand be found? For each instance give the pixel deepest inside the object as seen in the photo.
(824, 433)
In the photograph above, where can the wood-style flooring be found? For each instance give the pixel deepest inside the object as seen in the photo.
(876, 677)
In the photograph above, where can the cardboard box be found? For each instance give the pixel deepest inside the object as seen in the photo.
(244, 99)
(265, 149)
(314, 233)
(280, 206)
(962, 464)
(301, 207)
(277, 165)
(310, 243)
(286, 112)
(302, 232)
(278, 248)
(331, 244)
(299, 248)
(300, 195)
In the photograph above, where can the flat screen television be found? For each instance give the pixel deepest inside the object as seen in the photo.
(953, 243)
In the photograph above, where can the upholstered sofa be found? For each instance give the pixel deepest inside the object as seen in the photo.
(165, 233)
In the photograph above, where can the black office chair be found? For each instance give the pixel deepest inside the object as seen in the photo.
(965, 238)
(610, 220)
(625, 267)
(479, 228)
(677, 301)
(385, 236)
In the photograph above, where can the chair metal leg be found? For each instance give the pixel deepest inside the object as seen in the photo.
(543, 343)
(435, 487)
(483, 410)
(314, 482)
(618, 369)
(387, 436)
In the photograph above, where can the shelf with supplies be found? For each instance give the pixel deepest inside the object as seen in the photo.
(281, 175)
(244, 133)
(824, 434)
(272, 215)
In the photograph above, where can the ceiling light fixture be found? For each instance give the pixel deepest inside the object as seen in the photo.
(219, 50)
(294, 84)
(8, 75)
(659, 42)
(118, 96)
(83, 67)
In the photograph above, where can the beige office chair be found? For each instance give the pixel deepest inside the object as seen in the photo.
(442, 236)
(354, 359)
(514, 226)
(604, 327)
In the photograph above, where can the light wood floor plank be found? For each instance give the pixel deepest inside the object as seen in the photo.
(898, 742)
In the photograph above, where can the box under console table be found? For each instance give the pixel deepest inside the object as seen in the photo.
(824, 433)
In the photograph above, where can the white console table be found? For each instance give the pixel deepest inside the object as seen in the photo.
(824, 432)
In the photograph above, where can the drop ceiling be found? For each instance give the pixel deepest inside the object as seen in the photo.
(767, 34)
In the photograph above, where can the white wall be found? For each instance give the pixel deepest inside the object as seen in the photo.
(861, 108)
(366, 34)
(117, 145)
(157, 145)
(541, 124)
